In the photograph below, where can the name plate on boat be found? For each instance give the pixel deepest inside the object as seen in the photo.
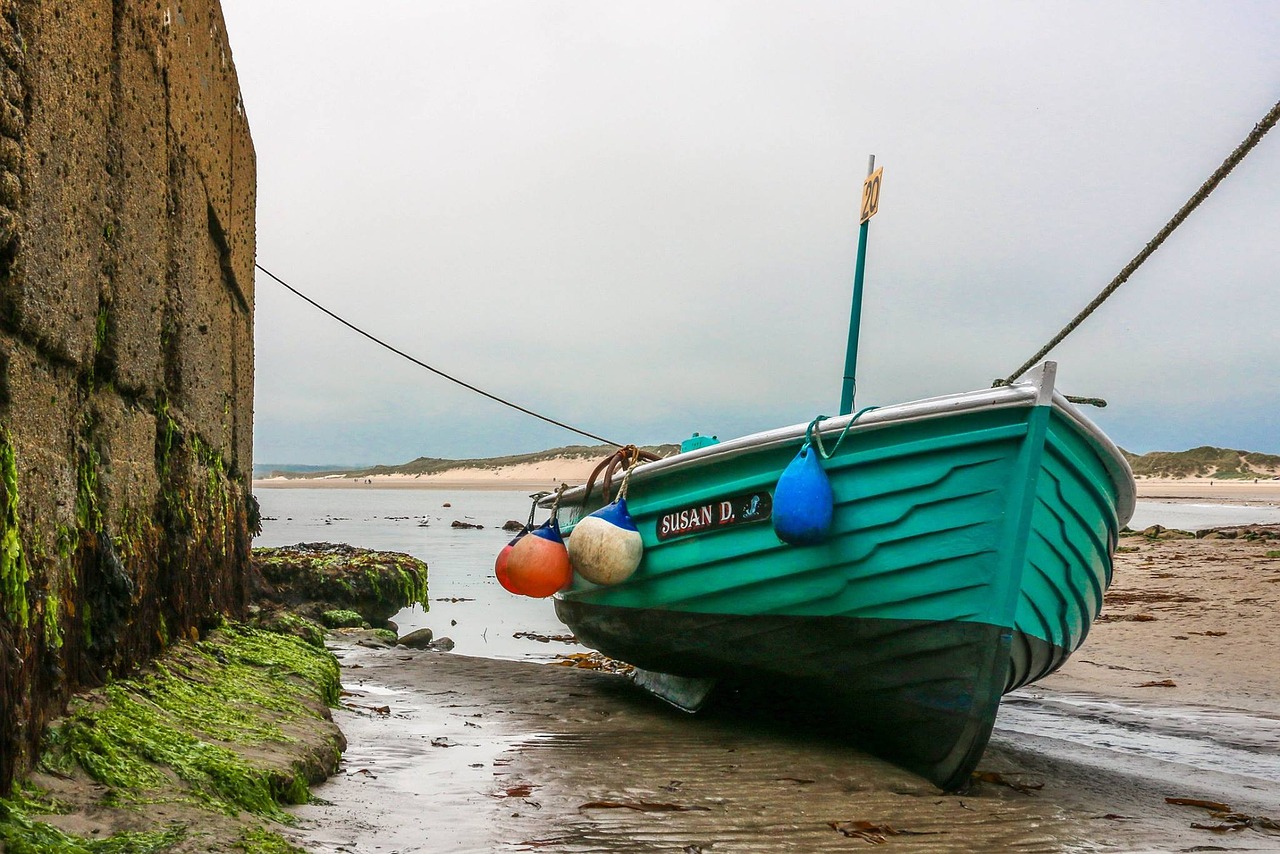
(721, 513)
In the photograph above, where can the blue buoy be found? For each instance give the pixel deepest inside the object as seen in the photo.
(605, 547)
(803, 503)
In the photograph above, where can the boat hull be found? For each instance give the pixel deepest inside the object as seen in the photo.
(917, 692)
(970, 548)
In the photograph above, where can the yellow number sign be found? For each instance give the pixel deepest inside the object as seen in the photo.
(871, 195)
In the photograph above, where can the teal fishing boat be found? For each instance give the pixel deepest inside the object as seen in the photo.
(970, 546)
(961, 549)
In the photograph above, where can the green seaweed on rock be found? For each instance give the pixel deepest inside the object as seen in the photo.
(319, 577)
(342, 619)
(21, 835)
(258, 840)
(178, 719)
(289, 623)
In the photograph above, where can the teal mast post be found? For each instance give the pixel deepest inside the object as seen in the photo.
(870, 203)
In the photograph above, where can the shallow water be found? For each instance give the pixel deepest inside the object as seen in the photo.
(1194, 517)
(467, 603)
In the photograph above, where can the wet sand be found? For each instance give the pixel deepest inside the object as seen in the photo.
(531, 748)
(461, 754)
(1200, 612)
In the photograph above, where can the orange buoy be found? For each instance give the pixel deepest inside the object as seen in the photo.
(500, 565)
(538, 565)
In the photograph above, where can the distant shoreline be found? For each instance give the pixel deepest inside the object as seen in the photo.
(422, 483)
(546, 474)
(549, 474)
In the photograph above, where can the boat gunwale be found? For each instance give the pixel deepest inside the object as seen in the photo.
(1112, 457)
(1026, 393)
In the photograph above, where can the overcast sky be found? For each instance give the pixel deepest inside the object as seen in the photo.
(641, 218)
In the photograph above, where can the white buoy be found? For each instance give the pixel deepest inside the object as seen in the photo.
(605, 547)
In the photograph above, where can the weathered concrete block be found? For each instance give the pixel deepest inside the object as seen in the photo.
(213, 129)
(139, 230)
(126, 441)
(13, 99)
(241, 401)
(240, 227)
(199, 321)
(68, 89)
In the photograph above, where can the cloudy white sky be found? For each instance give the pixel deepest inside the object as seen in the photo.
(640, 218)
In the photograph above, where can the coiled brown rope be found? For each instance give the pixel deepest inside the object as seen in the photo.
(625, 459)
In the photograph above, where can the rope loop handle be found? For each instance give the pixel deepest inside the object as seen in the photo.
(813, 436)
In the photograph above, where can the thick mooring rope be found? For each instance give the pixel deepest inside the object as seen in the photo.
(376, 340)
(1255, 136)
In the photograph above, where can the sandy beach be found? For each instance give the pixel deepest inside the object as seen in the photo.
(1198, 612)
(1263, 491)
(1174, 695)
(1207, 489)
(546, 475)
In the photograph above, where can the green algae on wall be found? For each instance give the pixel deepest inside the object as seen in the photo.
(14, 572)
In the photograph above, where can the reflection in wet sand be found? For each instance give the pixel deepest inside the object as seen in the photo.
(482, 755)
(1205, 739)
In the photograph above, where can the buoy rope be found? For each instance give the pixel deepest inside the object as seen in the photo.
(535, 498)
(1255, 136)
(813, 437)
(626, 479)
(555, 505)
(375, 339)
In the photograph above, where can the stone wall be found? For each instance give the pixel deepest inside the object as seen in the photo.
(127, 182)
